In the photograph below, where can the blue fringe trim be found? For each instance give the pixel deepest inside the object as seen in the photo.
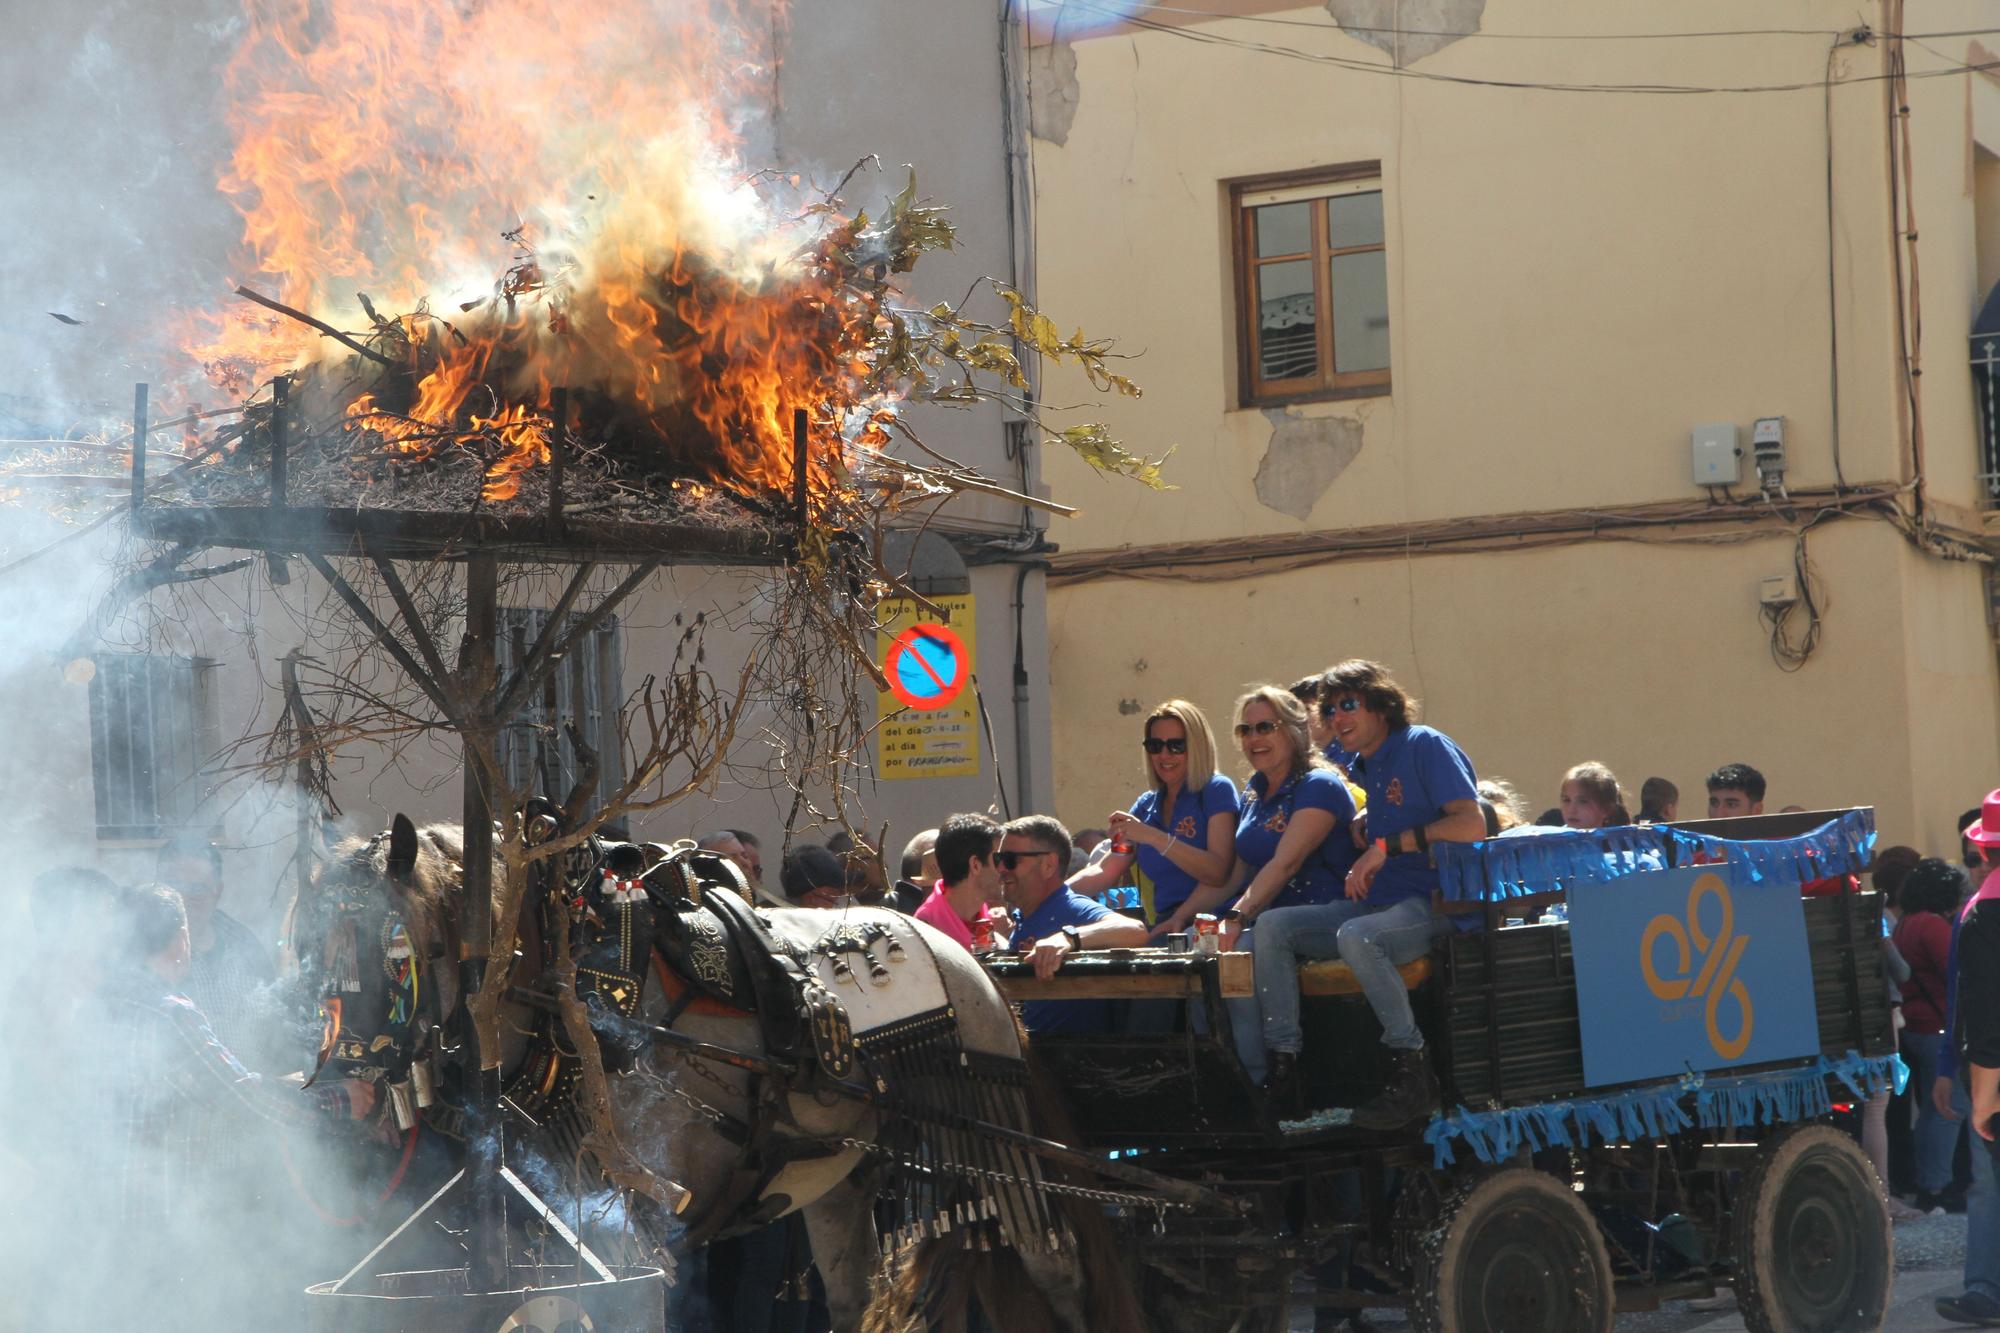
(1504, 868)
(1654, 1112)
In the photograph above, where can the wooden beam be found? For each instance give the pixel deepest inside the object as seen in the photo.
(419, 635)
(514, 690)
(531, 677)
(433, 689)
(1088, 982)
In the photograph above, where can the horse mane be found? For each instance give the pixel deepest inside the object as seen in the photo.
(430, 899)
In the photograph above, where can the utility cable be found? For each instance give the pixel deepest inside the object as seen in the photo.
(1525, 85)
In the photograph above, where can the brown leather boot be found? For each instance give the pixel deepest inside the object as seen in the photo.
(1411, 1095)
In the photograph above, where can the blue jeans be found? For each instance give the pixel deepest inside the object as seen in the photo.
(1936, 1137)
(1246, 1026)
(1374, 942)
(1982, 1204)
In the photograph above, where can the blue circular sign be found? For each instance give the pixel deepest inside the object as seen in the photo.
(927, 666)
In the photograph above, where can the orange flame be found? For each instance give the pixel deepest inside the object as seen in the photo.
(387, 147)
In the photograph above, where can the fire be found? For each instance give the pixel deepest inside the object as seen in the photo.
(391, 147)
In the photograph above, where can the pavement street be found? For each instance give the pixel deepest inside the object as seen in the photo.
(1930, 1257)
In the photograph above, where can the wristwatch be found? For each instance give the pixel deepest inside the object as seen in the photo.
(1070, 933)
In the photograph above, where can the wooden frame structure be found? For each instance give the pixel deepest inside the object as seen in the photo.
(466, 692)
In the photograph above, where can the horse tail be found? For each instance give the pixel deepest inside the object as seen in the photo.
(936, 1285)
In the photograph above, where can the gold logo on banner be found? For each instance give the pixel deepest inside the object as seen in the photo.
(1719, 956)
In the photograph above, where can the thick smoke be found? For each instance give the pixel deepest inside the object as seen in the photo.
(113, 223)
(110, 212)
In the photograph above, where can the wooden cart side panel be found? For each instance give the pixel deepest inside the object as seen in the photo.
(1510, 1029)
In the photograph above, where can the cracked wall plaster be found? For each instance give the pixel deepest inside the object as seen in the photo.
(1303, 458)
(1052, 91)
(1407, 29)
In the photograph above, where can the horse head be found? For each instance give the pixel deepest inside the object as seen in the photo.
(377, 941)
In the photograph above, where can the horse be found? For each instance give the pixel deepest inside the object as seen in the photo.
(892, 1064)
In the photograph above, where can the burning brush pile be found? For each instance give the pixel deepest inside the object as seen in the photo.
(660, 322)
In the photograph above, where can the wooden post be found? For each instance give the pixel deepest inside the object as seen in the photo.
(558, 451)
(801, 459)
(486, 1150)
(281, 392)
(139, 428)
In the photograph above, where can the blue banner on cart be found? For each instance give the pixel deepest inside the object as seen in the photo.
(1676, 971)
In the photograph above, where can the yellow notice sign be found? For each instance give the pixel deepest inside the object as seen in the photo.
(930, 726)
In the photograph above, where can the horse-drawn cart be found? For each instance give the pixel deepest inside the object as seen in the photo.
(1639, 1098)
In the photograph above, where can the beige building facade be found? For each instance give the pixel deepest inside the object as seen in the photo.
(1432, 324)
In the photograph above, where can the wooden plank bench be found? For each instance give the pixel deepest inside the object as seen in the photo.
(1330, 976)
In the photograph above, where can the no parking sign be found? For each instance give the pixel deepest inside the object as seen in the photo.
(927, 665)
(930, 726)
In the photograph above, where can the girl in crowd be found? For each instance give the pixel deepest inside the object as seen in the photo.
(1591, 798)
(1929, 896)
(1179, 829)
(1293, 845)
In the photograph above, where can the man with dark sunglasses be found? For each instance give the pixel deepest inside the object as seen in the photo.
(1319, 719)
(1056, 921)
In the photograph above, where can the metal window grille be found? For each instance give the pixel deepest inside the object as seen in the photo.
(1986, 388)
(152, 730)
(586, 687)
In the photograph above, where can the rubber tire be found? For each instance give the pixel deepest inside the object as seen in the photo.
(1502, 1227)
(1811, 1208)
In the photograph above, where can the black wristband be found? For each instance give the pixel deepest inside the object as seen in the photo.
(1423, 839)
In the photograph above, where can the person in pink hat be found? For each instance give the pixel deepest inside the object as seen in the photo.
(1977, 1003)
(1972, 1047)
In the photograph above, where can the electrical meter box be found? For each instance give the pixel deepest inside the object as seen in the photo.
(1716, 454)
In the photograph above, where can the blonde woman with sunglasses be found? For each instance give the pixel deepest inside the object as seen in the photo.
(1293, 846)
(1181, 829)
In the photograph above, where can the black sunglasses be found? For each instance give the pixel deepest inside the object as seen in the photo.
(1264, 728)
(1348, 704)
(1008, 860)
(1153, 744)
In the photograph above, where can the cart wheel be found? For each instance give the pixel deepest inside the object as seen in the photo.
(1812, 1240)
(1514, 1251)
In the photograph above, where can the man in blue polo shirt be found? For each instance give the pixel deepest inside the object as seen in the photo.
(1421, 790)
(1056, 921)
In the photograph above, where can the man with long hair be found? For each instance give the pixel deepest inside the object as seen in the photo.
(1421, 790)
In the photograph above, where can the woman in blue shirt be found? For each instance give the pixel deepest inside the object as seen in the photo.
(1292, 842)
(1293, 848)
(1179, 829)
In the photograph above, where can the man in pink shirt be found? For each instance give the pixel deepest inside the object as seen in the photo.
(970, 877)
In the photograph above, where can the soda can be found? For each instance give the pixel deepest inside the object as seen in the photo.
(982, 934)
(1208, 933)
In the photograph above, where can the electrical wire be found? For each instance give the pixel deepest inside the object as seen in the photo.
(1832, 298)
(1790, 653)
(1336, 25)
(1525, 85)
(1274, 21)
